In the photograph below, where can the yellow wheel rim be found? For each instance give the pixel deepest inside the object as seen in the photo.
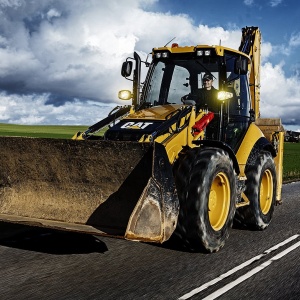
(266, 192)
(219, 201)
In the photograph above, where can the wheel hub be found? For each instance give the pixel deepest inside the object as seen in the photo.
(266, 192)
(219, 201)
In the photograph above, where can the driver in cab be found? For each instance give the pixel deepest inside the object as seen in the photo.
(207, 96)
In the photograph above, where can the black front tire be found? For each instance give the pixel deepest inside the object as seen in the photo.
(261, 192)
(206, 185)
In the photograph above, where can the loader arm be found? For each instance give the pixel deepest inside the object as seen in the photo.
(174, 119)
(114, 115)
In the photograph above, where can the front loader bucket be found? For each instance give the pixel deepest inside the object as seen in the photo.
(124, 189)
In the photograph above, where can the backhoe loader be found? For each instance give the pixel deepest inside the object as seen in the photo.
(171, 162)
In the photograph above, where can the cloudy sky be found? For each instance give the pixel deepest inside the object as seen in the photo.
(60, 59)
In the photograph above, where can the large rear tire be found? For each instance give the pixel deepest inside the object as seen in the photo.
(261, 192)
(206, 186)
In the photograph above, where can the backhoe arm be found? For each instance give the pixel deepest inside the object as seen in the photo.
(250, 45)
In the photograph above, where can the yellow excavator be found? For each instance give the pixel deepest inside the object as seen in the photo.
(177, 160)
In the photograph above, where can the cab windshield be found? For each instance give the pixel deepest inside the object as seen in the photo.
(173, 81)
(170, 80)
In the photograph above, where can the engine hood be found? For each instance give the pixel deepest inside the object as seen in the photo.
(144, 121)
(155, 112)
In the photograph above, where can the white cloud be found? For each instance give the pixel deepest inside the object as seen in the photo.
(53, 13)
(295, 40)
(60, 60)
(33, 109)
(274, 3)
(280, 95)
(215, 35)
(266, 51)
(76, 50)
(248, 2)
(10, 3)
(272, 51)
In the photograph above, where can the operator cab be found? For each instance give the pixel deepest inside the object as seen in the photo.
(177, 78)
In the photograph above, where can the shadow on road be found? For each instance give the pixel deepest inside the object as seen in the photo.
(48, 240)
(175, 243)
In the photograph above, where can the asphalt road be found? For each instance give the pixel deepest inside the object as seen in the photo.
(45, 264)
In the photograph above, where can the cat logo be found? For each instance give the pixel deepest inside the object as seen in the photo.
(136, 125)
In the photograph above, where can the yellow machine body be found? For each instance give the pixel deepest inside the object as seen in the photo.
(122, 184)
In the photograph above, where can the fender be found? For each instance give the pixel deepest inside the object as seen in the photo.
(220, 145)
(253, 143)
(262, 144)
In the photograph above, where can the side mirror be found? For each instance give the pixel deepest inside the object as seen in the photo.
(126, 69)
(241, 66)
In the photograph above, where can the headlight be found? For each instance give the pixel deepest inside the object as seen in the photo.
(162, 54)
(199, 52)
(203, 52)
(125, 95)
(224, 95)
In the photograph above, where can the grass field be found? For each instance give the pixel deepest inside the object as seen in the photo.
(291, 160)
(53, 131)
